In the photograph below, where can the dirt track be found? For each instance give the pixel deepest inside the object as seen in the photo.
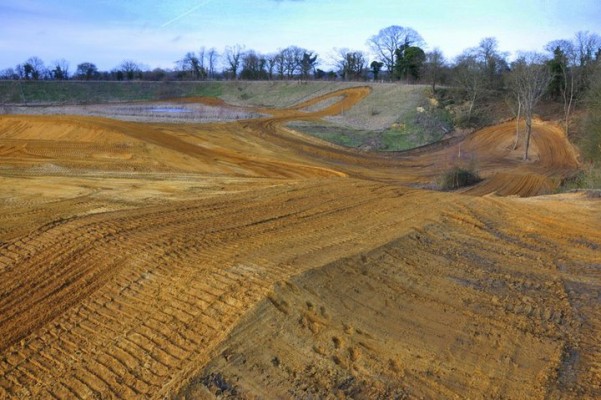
(152, 260)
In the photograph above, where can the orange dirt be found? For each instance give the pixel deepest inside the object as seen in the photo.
(248, 260)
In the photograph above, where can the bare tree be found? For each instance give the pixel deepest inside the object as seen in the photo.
(279, 64)
(129, 68)
(493, 61)
(9, 73)
(190, 65)
(271, 64)
(388, 40)
(434, 64)
(572, 66)
(292, 58)
(530, 77)
(514, 101)
(60, 70)
(469, 75)
(253, 66)
(33, 68)
(350, 63)
(201, 61)
(212, 56)
(87, 71)
(233, 55)
(565, 75)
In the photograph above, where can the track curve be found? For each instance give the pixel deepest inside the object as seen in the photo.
(160, 260)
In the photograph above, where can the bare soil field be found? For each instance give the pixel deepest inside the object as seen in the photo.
(244, 259)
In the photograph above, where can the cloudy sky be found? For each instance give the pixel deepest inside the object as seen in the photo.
(156, 33)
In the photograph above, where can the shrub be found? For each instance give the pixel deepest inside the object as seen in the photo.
(587, 178)
(458, 177)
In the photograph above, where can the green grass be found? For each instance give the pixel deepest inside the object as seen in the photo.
(76, 92)
(348, 139)
(395, 140)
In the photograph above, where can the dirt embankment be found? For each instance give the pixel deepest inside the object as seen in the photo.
(161, 260)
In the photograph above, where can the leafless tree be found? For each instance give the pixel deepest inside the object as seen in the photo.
(434, 64)
(469, 75)
(33, 68)
(271, 64)
(129, 69)
(253, 66)
(201, 61)
(492, 59)
(190, 65)
(564, 65)
(233, 55)
(60, 70)
(514, 102)
(212, 56)
(350, 63)
(573, 63)
(280, 64)
(388, 40)
(292, 58)
(530, 77)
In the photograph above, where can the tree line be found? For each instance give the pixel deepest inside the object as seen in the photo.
(563, 71)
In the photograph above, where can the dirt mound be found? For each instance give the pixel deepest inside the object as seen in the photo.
(160, 260)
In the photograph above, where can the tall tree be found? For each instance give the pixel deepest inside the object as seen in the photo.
(434, 65)
(351, 64)
(201, 62)
(530, 77)
(129, 69)
(280, 64)
(60, 70)
(493, 61)
(307, 64)
(565, 75)
(272, 60)
(469, 76)
(233, 56)
(557, 66)
(34, 68)
(190, 65)
(376, 67)
(212, 56)
(572, 67)
(409, 62)
(591, 140)
(253, 66)
(292, 58)
(388, 40)
(87, 71)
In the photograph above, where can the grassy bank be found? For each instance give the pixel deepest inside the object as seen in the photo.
(78, 92)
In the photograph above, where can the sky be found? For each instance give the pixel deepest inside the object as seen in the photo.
(156, 33)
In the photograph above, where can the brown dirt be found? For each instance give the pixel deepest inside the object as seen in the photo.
(247, 260)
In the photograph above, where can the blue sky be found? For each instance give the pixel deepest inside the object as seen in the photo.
(157, 33)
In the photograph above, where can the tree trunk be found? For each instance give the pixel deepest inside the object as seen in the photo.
(469, 112)
(528, 132)
(517, 125)
(568, 97)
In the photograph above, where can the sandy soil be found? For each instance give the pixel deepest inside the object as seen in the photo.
(246, 260)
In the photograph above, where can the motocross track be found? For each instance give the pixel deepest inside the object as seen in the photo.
(247, 260)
